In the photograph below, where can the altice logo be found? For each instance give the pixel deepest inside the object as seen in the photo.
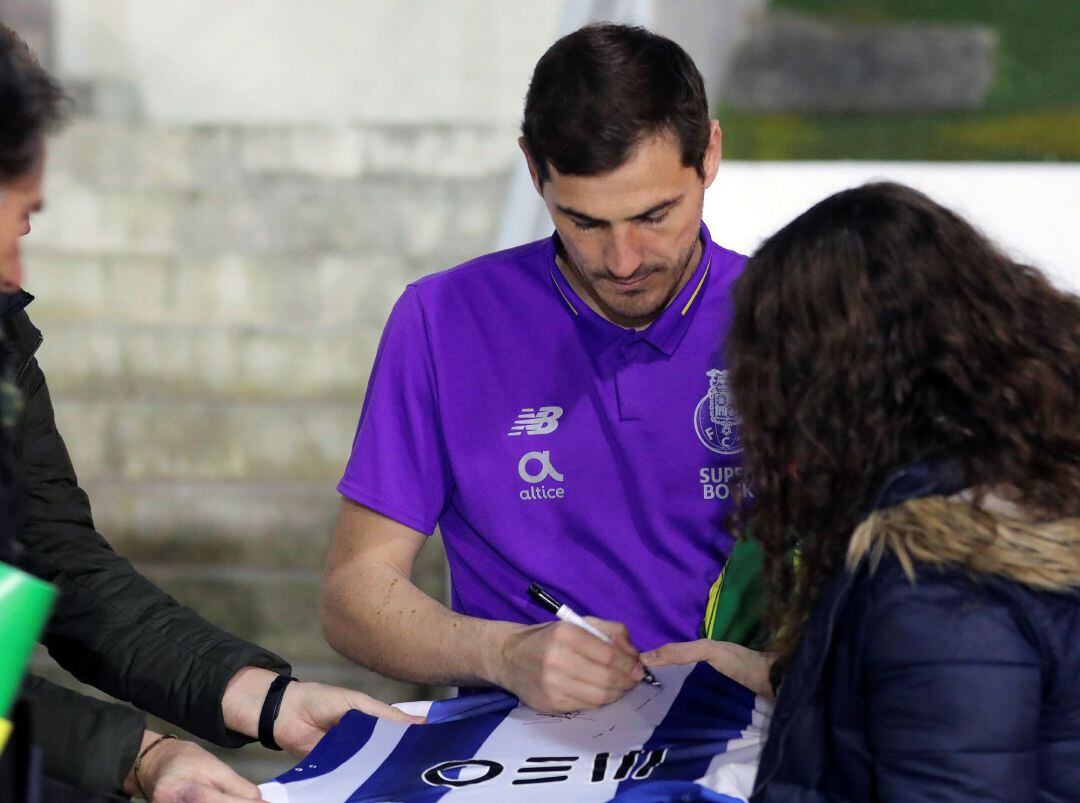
(535, 476)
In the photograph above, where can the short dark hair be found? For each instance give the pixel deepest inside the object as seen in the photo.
(599, 91)
(31, 104)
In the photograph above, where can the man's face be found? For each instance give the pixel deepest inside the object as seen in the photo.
(631, 235)
(19, 198)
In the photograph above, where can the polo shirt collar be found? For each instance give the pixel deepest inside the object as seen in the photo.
(665, 333)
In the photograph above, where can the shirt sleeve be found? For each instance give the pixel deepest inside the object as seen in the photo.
(399, 465)
(954, 693)
(87, 743)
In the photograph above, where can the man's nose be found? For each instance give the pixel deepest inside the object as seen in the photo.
(624, 254)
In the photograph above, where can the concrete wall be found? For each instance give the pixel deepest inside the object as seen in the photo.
(324, 61)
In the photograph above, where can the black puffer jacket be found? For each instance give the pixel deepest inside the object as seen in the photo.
(112, 628)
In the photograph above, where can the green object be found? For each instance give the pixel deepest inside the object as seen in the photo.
(25, 603)
(1032, 111)
(736, 609)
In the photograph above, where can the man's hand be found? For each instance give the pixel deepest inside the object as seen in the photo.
(375, 615)
(308, 710)
(176, 771)
(741, 664)
(557, 667)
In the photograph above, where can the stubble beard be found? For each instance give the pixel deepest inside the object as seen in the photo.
(635, 311)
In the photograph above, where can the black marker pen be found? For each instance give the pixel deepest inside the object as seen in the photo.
(568, 614)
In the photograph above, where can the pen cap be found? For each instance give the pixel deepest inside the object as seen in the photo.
(544, 598)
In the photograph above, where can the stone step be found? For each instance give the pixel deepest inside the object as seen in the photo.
(116, 154)
(280, 525)
(443, 220)
(283, 525)
(349, 290)
(188, 362)
(207, 439)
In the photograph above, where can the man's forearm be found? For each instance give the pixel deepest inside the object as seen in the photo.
(374, 615)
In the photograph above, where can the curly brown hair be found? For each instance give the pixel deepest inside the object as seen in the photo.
(877, 329)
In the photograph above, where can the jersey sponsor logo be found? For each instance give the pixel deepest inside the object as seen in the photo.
(718, 482)
(536, 421)
(716, 420)
(535, 474)
(637, 764)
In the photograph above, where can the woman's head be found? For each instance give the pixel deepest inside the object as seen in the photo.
(879, 328)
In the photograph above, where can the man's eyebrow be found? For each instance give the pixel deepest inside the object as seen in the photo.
(652, 210)
(658, 208)
(570, 211)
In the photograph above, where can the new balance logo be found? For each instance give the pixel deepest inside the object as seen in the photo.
(542, 421)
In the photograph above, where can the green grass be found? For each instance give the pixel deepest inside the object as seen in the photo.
(1032, 111)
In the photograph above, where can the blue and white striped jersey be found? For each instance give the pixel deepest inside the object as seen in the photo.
(697, 738)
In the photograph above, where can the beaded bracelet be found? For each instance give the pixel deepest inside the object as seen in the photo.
(142, 755)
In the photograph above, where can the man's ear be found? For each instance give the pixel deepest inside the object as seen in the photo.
(713, 151)
(538, 185)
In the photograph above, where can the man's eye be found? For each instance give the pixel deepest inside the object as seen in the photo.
(655, 218)
(585, 225)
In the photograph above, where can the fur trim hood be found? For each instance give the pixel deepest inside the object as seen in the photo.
(986, 536)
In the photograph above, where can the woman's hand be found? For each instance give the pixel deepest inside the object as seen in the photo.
(741, 664)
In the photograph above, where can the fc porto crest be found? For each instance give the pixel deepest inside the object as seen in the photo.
(715, 419)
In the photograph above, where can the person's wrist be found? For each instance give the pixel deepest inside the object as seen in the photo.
(153, 757)
(271, 707)
(495, 651)
(153, 749)
(128, 786)
(243, 699)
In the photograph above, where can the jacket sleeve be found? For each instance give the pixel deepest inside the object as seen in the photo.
(954, 688)
(105, 736)
(113, 628)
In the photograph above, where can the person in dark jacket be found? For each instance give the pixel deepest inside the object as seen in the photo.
(112, 628)
(910, 402)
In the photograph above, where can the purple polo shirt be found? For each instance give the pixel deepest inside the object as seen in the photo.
(552, 446)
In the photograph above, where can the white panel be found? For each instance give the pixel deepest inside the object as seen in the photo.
(1030, 210)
